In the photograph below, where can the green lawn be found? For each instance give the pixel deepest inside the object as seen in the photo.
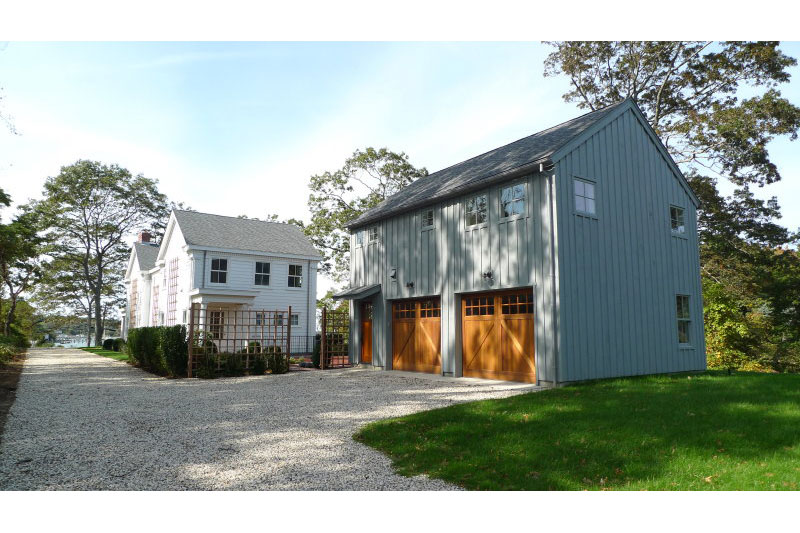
(119, 356)
(703, 432)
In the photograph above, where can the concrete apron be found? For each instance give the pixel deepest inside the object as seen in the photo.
(495, 383)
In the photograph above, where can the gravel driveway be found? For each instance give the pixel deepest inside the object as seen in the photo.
(86, 422)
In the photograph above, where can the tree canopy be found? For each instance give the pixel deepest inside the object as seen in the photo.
(87, 210)
(365, 180)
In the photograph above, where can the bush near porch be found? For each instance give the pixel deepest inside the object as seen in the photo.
(681, 432)
(162, 350)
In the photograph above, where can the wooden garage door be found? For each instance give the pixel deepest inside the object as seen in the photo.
(497, 331)
(416, 336)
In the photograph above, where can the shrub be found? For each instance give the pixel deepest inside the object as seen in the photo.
(259, 365)
(252, 347)
(175, 349)
(162, 350)
(233, 365)
(206, 366)
(276, 360)
(108, 344)
(119, 345)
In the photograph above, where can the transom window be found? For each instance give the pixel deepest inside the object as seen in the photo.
(219, 271)
(262, 273)
(512, 200)
(479, 305)
(584, 197)
(676, 220)
(517, 304)
(295, 275)
(373, 234)
(405, 310)
(476, 210)
(684, 321)
(429, 308)
(427, 218)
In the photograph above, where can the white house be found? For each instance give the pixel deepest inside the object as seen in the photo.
(223, 263)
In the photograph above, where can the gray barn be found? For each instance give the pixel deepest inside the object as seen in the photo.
(568, 255)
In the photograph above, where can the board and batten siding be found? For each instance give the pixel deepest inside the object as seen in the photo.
(619, 272)
(449, 260)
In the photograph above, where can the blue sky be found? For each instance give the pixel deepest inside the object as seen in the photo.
(238, 128)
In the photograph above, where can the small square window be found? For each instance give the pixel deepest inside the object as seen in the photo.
(219, 271)
(262, 273)
(512, 200)
(676, 219)
(295, 275)
(373, 234)
(584, 197)
(427, 218)
(476, 210)
(295, 319)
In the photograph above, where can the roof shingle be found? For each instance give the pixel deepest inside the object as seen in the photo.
(470, 173)
(217, 231)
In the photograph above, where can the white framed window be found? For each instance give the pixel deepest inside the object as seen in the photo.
(684, 318)
(373, 234)
(677, 220)
(185, 316)
(262, 273)
(426, 219)
(295, 319)
(295, 275)
(512, 200)
(216, 324)
(219, 270)
(476, 210)
(360, 238)
(585, 197)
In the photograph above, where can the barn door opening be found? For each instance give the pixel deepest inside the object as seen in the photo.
(497, 336)
(416, 335)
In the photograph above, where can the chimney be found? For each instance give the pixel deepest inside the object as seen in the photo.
(144, 236)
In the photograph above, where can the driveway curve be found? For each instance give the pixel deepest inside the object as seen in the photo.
(86, 422)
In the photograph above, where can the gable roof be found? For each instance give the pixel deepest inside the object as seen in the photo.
(146, 254)
(484, 169)
(217, 231)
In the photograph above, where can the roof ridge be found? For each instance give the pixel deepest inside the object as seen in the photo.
(234, 218)
(560, 124)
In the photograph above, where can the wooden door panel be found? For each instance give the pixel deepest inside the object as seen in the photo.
(366, 332)
(497, 336)
(403, 345)
(416, 336)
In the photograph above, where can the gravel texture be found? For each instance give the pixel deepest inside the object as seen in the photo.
(86, 422)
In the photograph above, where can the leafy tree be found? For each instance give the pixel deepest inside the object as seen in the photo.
(365, 180)
(692, 95)
(88, 210)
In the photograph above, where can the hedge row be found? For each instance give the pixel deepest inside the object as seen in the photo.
(162, 350)
(116, 345)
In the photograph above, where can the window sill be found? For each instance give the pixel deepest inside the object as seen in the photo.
(585, 215)
(685, 347)
(680, 236)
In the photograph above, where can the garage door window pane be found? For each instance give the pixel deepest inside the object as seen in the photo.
(516, 304)
(479, 305)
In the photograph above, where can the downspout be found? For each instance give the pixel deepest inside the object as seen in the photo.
(203, 282)
(308, 306)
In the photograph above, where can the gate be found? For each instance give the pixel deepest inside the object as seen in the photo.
(335, 339)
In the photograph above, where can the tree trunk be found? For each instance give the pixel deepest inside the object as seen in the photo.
(10, 315)
(98, 318)
(89, 326)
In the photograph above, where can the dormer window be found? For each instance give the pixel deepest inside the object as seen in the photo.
(219, 271)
